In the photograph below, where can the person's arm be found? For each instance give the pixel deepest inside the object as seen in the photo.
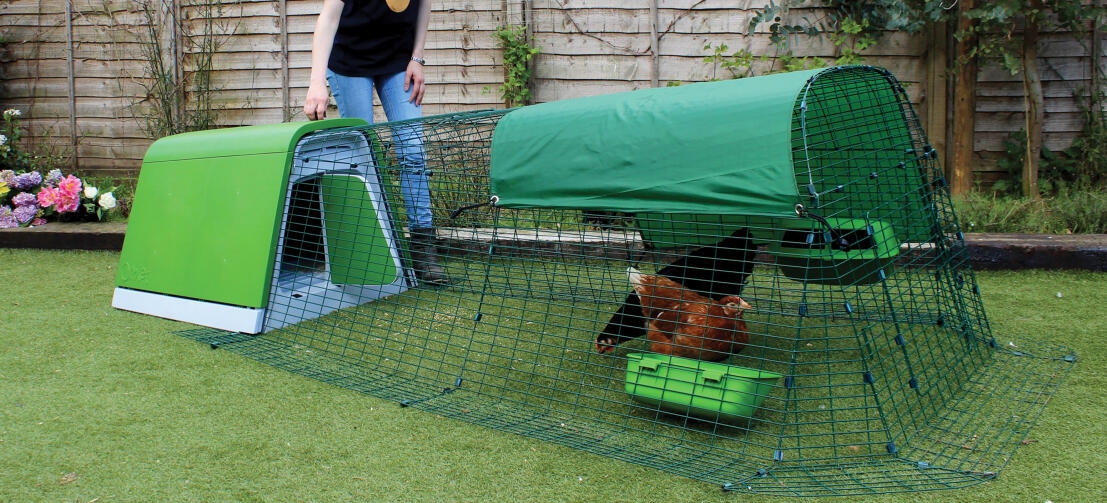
(414, 78)
(315, 105)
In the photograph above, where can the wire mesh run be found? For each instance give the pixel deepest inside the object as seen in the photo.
(842, 351)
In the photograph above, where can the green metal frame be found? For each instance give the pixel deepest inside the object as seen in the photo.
(890, 378)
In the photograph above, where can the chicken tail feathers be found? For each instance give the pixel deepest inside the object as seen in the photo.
(627, 323)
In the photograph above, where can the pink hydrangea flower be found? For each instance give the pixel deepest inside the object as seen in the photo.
(70, 185)
(47, 197)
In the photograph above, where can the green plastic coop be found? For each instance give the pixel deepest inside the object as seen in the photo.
(864, 364)
(217, 232)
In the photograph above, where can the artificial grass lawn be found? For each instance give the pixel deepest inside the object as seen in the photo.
(99, 403)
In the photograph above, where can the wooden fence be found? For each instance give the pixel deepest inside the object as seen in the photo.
(76, 67)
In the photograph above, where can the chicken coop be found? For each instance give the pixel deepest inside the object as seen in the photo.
(757, 283)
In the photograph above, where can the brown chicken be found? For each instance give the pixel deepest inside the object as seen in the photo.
(682, 322)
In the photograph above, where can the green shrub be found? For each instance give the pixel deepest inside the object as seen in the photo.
(1081, 212)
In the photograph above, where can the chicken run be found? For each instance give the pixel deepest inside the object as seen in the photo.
(758, 283)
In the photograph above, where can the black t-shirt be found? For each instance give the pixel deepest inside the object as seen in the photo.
(374, 37)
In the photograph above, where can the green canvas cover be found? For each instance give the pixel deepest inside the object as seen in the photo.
(715, 147)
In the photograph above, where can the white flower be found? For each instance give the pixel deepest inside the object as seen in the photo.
(107, 200)
(3, 139)
(12, 112)
(90, 191)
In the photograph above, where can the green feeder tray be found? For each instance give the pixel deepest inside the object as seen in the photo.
(854, 251)
(711, 391)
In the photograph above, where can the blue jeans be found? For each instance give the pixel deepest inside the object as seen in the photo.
(354, 96)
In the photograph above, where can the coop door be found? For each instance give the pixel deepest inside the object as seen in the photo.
(338, 247)
(358, 250)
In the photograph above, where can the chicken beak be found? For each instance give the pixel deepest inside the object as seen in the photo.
(743, 304)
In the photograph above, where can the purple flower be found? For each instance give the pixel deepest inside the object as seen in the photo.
(7, 219)
(27, 180)
(53, 177)
(25, 214)
(7, 176)
(25, 199)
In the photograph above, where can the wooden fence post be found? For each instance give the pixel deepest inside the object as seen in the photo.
(1097, 40)
(72, 87)
(1034, 104)
(936, 90)
(655, 70)
(286, 79)
(528, 22)
(964, 120)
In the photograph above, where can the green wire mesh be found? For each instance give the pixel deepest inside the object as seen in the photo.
(868, 363)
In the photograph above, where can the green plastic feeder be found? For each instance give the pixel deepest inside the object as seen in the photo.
(853, 251)
(711, 391)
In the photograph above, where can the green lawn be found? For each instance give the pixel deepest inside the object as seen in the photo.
(102, 404)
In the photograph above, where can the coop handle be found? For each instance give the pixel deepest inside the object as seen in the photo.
(713, 375)
(491, 201)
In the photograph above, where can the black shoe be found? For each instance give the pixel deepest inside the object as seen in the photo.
(424, 255)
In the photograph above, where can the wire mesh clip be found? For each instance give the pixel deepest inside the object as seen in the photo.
(409, 403)
(491, 202)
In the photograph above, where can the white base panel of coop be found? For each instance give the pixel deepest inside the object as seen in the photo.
(209, 314)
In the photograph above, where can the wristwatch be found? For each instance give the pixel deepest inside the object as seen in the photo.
(421, 61)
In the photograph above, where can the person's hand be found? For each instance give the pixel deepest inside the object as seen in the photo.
(315, 106)
(413, 81)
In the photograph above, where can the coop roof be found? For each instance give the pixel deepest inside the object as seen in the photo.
(716, 147)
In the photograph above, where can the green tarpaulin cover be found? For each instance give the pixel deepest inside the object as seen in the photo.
(716, 147)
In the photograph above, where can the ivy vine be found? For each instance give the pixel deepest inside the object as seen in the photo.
(518, 53)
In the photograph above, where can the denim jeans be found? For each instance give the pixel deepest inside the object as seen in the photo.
(354, 96)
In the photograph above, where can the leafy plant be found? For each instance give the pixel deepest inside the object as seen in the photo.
(178, 93)
(1080, 167)
(779, 30)
(851, 39)
(1089, 150)
(993, 25)
(741, 63)
(1068, 211)
(14, 154)
(1011, 162)
(518, 53)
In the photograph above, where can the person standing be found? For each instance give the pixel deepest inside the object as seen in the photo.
(362, 45)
